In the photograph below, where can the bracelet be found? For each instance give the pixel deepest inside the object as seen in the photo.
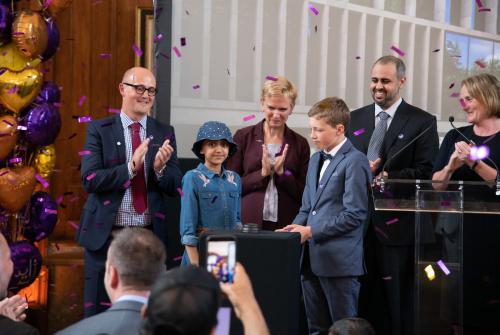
(475, 164)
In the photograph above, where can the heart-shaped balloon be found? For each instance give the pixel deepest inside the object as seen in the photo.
(57, 6)
(8, 135)
(16, 187)
(14, 60)
(29, 33)
(19, 89)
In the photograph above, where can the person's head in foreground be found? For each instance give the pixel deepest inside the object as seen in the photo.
(277, 101)
(351, 326)
(387, 80)
(480, 98)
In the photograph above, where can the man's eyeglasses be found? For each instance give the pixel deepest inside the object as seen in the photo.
(140, 89)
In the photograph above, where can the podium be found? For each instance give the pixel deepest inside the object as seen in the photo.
(457, 251)
(272, 261)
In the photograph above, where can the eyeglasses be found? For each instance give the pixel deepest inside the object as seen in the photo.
(140, 89)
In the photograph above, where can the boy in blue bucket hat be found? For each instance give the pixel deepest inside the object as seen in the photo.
(211, 194)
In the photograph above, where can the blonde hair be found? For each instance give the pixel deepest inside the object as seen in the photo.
(333, 110)
(485, 88)
(281, 86)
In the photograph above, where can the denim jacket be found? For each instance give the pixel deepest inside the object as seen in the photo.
(209, 202)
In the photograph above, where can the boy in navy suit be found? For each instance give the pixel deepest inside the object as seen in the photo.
(334, 206)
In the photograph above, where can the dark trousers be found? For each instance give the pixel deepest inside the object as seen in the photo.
(96, 299)
(328, 299)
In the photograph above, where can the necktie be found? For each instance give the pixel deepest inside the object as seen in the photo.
(139, 193)
(377, 137)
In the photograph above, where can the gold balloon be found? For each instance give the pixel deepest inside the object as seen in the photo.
(8, 135)
(14, 60)
(45, 161)
(57, 6)
(29, 32)
(19, 89)
(16, 186)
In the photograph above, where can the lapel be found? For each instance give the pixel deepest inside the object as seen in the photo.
(119, 137)
(368, 123)
(150, 130)
(339, 156)
(400, 118)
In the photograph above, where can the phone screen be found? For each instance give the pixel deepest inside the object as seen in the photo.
(221, 259)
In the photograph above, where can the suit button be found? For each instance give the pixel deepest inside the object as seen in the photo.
(314, 213)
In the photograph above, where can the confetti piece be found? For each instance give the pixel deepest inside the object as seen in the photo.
(462, 103)
(213, 200)
(484, 10)
(381, 232)
(2, 71)
(84, 152)
(183, 41)
(436, 50)
(443, 267)
(7, 122)
(392, 221)
(479, 4)
(429, 270)
(105, 55)
(127, 184)
(179, 190)
(50, 211)
(22, 128)
(57, 104)
(177, 51)
(271, 78)
(455, 95)
(249, 117)
(15, 160)
(137, 50)
(313, 9)
(445, 203)
(17, 33)
(114, 110)
(4, 173)
(42, 181)
(160, 215)
(195, 87)
(59, 199)
(387, 278)
(358, 57)
(480, 64)
(451, 86)
(88, 304)
(73, 224)
(157, 38)
(398, 51)
(82, 100)
(56, 245)
(288, 173)
(359, 132)
(84, 119)
(91, 176)
(178, 258)
(164, 55)
(13, 89)
(105, 303)
(71, 136)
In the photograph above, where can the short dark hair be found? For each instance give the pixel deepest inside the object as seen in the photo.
(333, 110)
(352, 326)
(183, 301)
(400, 65)
(138, 256)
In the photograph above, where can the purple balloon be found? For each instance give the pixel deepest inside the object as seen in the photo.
(49, 93)
(43, 123)
(27, 264)
(53, 40)
(43, 217)
(5, 24)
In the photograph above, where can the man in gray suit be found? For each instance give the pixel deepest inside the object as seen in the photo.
(330, 220)
(136, 258)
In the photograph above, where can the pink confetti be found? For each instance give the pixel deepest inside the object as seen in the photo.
(484, 9)
(195, 87)
(249, 117)
(392, 221)
(114, 110)
(443, 267)
(13, 89)
(22, 128)
(137, 50)
(15, 160)
(462, 103)
(7, 122)
(177, 51)
(2, 71)
(105, 303)
(271, 78)
(179, 190)
(445, 203)
(127, 184)
(160, 215)
(82, 100)
(455, 95)
(88, 304)
(157, 38)
(451, 86)
(398, 51)
(84, 119)
(50, 211)
(84, 152)
(73, 224)
(91, 176)
(288, 173)
(313, 9)
(42, 181)
(479, 3)
(178, 258)
(480, 64)
(106, 202)
(359, 132)
(60, 199)
(4, 173)
(105, 55)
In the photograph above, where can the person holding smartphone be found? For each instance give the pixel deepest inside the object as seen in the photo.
(211, 194)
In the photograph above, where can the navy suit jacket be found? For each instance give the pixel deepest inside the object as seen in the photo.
(335, 208)
(108, 160)
(414, 162)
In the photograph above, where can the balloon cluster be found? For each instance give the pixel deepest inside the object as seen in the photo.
(29, 124)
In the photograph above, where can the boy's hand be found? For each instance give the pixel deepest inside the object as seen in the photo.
(304, 231)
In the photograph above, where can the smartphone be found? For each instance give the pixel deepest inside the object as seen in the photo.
(221, 257)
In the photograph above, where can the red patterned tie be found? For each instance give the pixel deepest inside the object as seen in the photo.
(139, 194)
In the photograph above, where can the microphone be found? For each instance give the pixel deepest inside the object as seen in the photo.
(451, 119)
(406, 146)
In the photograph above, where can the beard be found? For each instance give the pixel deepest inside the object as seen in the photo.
(386, 100)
